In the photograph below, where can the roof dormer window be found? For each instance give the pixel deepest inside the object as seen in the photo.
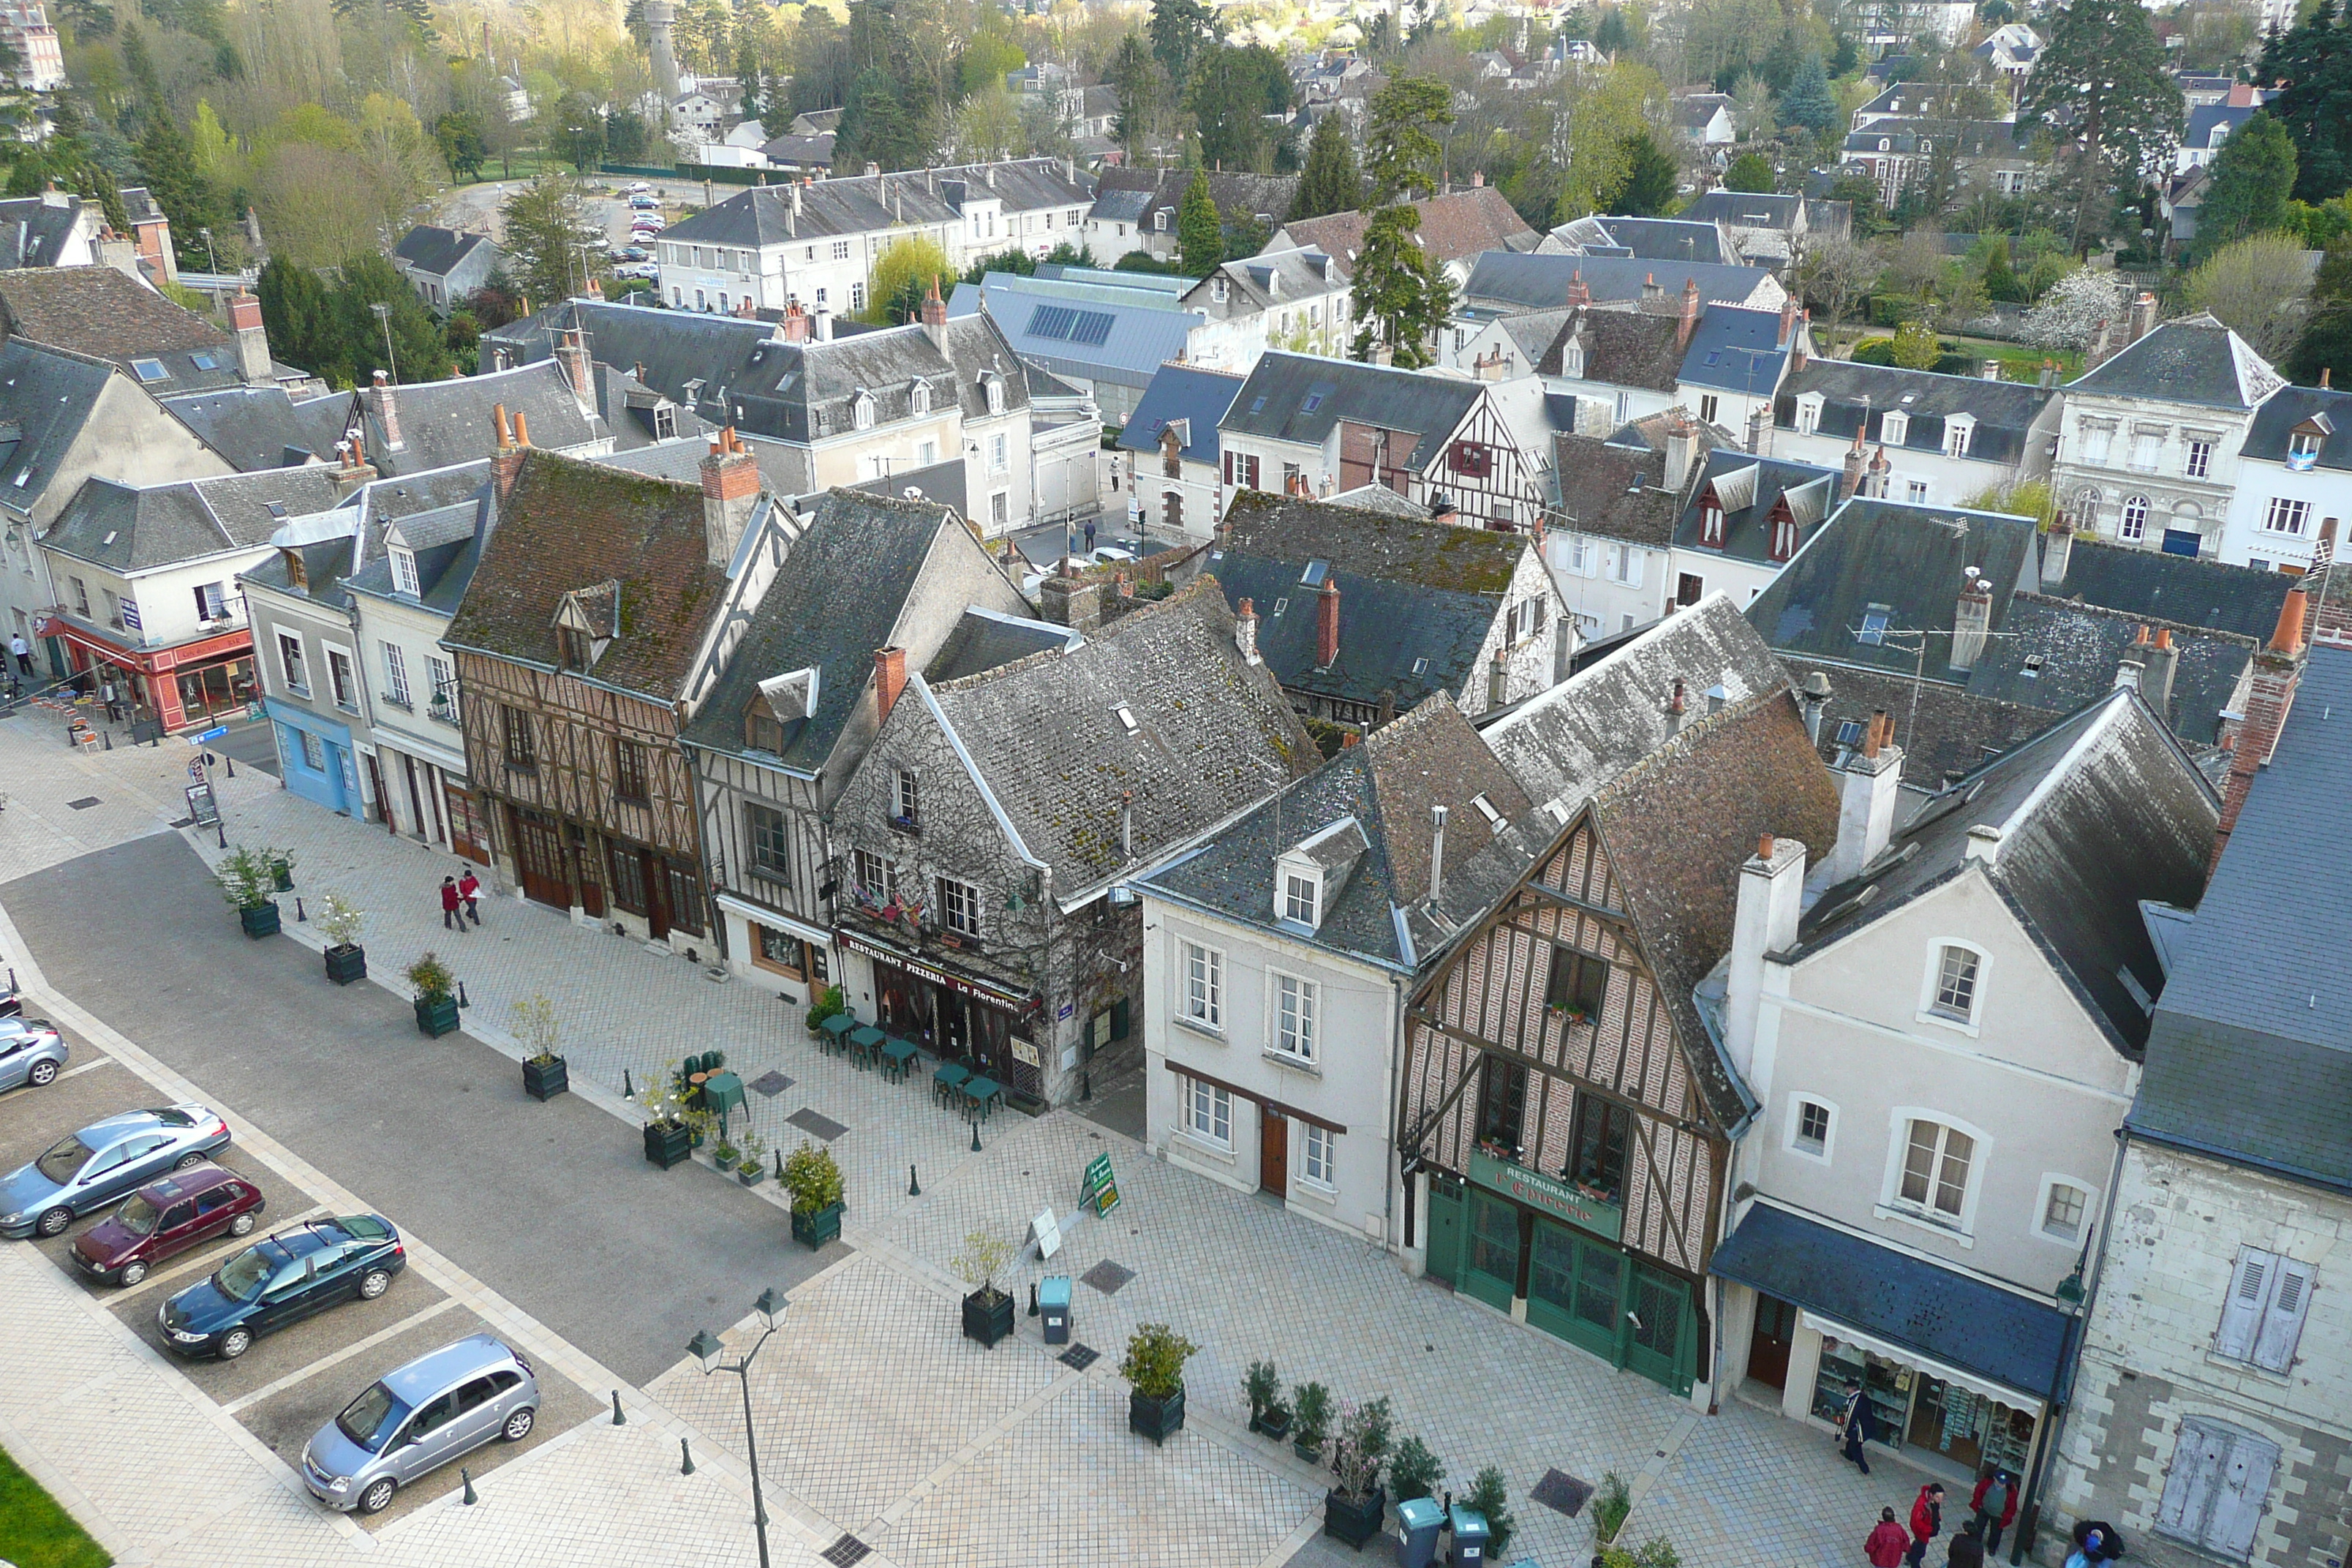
(994, 384)
(1572, 361)
(1710, 520)
(1958, 432)
(1301, 897)
(1809, 413)
(1895, 429)
(861, 411)
(1217, 290)
(404, 571)
(918, 397)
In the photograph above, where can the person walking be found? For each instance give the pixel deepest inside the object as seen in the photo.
(449, 915)
(469, 888)
(24, 652)
(1090, 536)
(1995, 1506)
(1967, 1547)
(1927, 1521)
(1887, 1543)
(1856, 1423)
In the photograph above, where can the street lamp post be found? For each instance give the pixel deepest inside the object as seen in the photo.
(383, 314)
(706, 1349)
(211, 260)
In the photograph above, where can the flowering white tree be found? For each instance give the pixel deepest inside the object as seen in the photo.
(2072, 310)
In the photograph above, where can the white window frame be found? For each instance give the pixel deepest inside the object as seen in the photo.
(1958, 431)
(2098, 441)
(1294, 1013)
(396, 674)
(2197, 461)
(999, 453)
(2286, 515)
(1892, 1205)
(404, 571)
(351, 668)
(1932, 980)
(1200, 999)
(2265, 1311)
(1288, 898)
(444, 677)
(2147, 451)
(2131, 521)
(1792, 1130)
(952, 893)
(880, 887)
(1208, 1114)
(1809, 413)
(1893, 429)
(2051, 1182)
(1318, 1157)
(294, 671)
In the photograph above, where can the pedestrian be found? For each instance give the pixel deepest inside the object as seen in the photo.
(24, 652)
(1927, 1521)
(449, 916)
(1886, 1543)
(469, 887)
(1090, 536)
(1995, 1505)
(2096, 1542)
(1855, 1422)
(1968, 1546)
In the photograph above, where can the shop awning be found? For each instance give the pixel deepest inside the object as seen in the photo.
(770, 918)
(1946, 1324)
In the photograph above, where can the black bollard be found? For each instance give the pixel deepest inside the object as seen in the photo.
(779, 1167)
(1086, 1086)
(105, 738)
(463, 1000)
(914, 1187)
(222, 828)
(467, 1476)
(1032, 1298)
(975, 1137)
(618, 1420)
(628, 1088)
(299, 915)
(232, 767)
(685, 1454)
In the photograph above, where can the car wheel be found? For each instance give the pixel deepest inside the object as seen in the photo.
(234, 1344)
(242, 1225)
(378, 1497)
(54, 1221)
(132, 1273)
(43, 1074)
(518, 1425)
(374, 1284)
(193, 1157)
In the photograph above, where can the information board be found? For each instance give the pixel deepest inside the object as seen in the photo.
(201, 805)
(1047, 1232)
(1101, 1189)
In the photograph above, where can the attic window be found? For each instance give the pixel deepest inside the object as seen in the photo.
(277, 508)
(1875, 622)
(1487, 809)
(1314, 573)
(2033, 666)
(1849, 732)
(1257, 405)
(150, 370)
(919, 397)
(203, 362)
(1421, 667)
(404, 571)
(1126, 717)
(1281, 605)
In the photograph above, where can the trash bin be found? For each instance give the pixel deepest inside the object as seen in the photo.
(1418, 1522)
(1469, 1538)
(1054, 1307)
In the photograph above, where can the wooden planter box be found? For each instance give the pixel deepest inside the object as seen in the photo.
(1157, 1419)
(1354, 1520)
(258, 920)
(1278, 1430)
(814, 1229)
(544, 1080)
(668, 1144)
(347, 964)
(437, 1017)
(988, 1321)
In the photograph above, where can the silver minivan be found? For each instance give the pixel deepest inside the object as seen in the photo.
(419, 1417)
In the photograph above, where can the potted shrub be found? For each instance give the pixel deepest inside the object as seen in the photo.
(1262, 1388)
(545, 1074)
(813, 1179)
(246, 881)
(747, 1168)
(281, 869)
(1612, 1502)
(1154, 1370)
(828, 1004)
(1655, 1553)
(1352, 1509)
(1490, 1495)
(1312, 1408)
(1415, 1472)
(1276, 1421)
(669, 1141)
(437, 995)
(340, 919)
(987, 1311)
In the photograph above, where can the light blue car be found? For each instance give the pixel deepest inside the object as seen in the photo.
(31, 1052)
(438, 1408)
(103, 1162)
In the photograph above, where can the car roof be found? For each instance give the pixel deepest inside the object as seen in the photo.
(429, 1374)
(115, 1127)
(170, 1189)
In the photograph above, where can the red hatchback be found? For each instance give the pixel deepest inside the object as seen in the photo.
(167, 1217)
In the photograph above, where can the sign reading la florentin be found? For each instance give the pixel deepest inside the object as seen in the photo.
(1547, 1194)
(1101, 1189)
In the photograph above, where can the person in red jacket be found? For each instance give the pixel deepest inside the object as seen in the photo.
(1927, 1521)
(1887, 1543)
(1995, 1506)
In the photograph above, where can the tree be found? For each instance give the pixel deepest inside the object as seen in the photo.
(1399, 153)
(1234, 91)
(295, 311)
(2256, 289)
(575, 131)
(903, 277)
(1402, 296)
(2100, 83)
(987, 59)
(459, 134)
(545, 253)
(1754, 113)
(1144, 93)
(2000, 279)
(2314, 60)
(1330, 183)
(2327, 343)
(1199, 233)
(1602, 122)
(2253, 179)
(1179, 29)
(1833, 273)
(417, 350)
(2073, 309)
(1915, 347)
(877, 127)
(1650, 176)
(1749, 172)
(1808, 104)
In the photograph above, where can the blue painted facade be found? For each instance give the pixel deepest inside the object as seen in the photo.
(326, 770)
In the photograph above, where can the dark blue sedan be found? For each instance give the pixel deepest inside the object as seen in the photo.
(297, 1272)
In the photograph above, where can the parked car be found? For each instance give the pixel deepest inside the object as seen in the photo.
(638, 187)
(166, 1218)
(635, 253)
(418, 1418)
(645, 200)
(31, 1051)
(12, 1001)
(102, 1161)
(295, 1272)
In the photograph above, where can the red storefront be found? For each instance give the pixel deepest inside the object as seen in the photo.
(187, 686)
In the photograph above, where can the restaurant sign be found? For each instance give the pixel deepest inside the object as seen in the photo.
(931, 972)
(1547, 1195)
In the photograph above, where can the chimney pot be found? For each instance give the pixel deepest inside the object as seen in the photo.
(730, 490)
(889, 680)
(2287, 636)
(1764, 848)
(1436, 853)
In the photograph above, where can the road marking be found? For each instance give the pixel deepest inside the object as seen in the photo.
(345, 1354)
(204, 1261)
(85, 1066)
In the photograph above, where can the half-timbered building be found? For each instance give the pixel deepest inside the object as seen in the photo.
(1567, 1111)
(595, 626)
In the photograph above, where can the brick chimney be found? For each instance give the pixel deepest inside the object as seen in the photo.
(387, 411)
(1797, 340)
(1849, 482)
(889, 680)
(579, 374)
(1327, 624)
(2278, 666)
(505, 458)
(253, 363)
(2143, 317)
(1763, 922)
(731, 487)
(1436, 854)
(1689, 322)
(352, 467)
(934, 317)
(1971, 619)
(1876, 484)
(2057, 552)
(1760, 430)
(1788, 318)
(1580, 293)
(1869, 783)
(2158, 662)
(1068, 600)
(794, 327)
(1245, 632)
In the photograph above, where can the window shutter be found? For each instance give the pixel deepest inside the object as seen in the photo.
(2283, 1321)
(2244, 1483)
(2241, 1315)
(2188, 1485)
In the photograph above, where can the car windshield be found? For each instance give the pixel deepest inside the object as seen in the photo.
(65, 1157)
(138, 1216)
(242, 1277)
(372, 1418)
(172, 1116)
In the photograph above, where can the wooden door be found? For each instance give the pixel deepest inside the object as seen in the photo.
(383, 798)
(1490, 1271)
(1767, 1346)
(468, 831)
(1446, 1205)
(538, 858)
(656, 891)
(1273, 1151)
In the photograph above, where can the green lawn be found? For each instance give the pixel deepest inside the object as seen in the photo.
(34, 1532)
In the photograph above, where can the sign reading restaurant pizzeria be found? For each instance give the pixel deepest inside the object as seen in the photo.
(1547, 1195)
(921, 970)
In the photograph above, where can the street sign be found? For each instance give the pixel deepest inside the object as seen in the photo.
(1101, 1189)
(201, 805)
(214, 734)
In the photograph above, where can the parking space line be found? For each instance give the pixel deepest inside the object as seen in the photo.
(181, 1271)
(345, 1354)
(87, 1066)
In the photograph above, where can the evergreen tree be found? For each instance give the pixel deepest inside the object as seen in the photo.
(1650, 177)
(2000, 279)
(464, 148)
(1234, 91)
(1808, 101)
(417, 347)
(300, 322)
(1402, 296)
(1399, 153)
(1179, 30)
(544, 251)
(2254, 178)
(1331, 183)
(1199, 233)
(2327, 343)
(1749, 171)
(876, 126)
(2314, 60)
(1142, 87)
(2100, 83)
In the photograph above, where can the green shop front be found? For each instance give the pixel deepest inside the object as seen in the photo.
(1552, 1255)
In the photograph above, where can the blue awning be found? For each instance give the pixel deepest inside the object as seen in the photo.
(1904, 1300)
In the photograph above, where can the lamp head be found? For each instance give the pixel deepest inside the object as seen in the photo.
(704, 1348)
(771, 1305)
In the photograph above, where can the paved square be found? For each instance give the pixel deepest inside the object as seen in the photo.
(821, 1127)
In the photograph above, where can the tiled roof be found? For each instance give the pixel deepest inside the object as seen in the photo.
(257, 428)
(1615, 491)
(2185, 590)
(983, 640)
(864, 204)
(129, 528)
(1163, 190)
(46, 399)
(98, 312)
(1198, 398)
(1622, 348)
(1076, 330)
(1454, 228)
(435, 251)
(1945, 730)
(447, 542)
(1743, 209)
(1299, 397)
(1734, 350)
(33, 232)
(2193, 360)
(1684, 239)
(1862, 395)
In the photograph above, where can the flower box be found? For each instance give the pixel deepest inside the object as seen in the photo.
(988, 1316)
(543, 1079)
(1354, 1520)
(258, 920)
(436, 1015)
(668, 1144)
(346, 964)
(812, 1230)
(1158, 1419)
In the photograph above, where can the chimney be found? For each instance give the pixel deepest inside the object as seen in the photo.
(1580, 293)
(1327, 624)
(793, 328)
(2057, 552)
(2325, 371)
(1682, 450)
(1814, 697)
(2159, 660)
(2278, 666)
(1069, 601)
(1877, 486)
(1689, 322)
(1436, 853)
(1477, 178)
(2102, 347)
(1442, 510)
(2143, 317)
(1971, 619)
(1245, 632)
(824, 323)
(1760, 430)
(1796, 343)
(1869, 783)
(1499, 680)
(1652, 290)
(352, 467)
(1850, 483)
(1990, 370)
(387, 411)
(1127, 824)
(1763, 922)
(1984, 843)
(731, 487)
(1677, 703)
(1385, 714)
(572, 359)
(1788, 318)
(253, 363)
(889, 680)
(934, 317)
(2049, 373)
(505, 458)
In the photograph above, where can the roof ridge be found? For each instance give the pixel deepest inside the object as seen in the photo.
(2137, 616)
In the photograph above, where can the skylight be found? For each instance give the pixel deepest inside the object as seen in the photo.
(203, 362)
(1874, 627)
(149, 369)
(1126, 717)
(1487, 809)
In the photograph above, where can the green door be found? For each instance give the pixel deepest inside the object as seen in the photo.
(1491, 1271)
(1445, 1229)
(1572, 1284)
(1660, 1332)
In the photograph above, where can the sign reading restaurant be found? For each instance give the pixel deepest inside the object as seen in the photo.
(1547, 1194)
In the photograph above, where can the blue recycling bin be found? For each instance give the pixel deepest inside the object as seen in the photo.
(1469, 1538)
(1053, 1308)
(1419, 1519)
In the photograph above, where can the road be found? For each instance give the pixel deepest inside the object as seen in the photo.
(552, 1205)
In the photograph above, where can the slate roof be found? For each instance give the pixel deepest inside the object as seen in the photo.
(1454, 228)
(2250, 1054)
(567, 525)
(1694, 111)
(339, 546)
(2096, 814)
(33, 232)
(1163, 190)
(2193, 360)
(127, 529)
(2267, 438)
(1971, 138)
(1615, 491)
(1182, 392)
(1945, 730)
(447, 422)
(447, 542)
(1133, 332)
(2207, 118)
(2187, 591)
(983, 640)
(1386, 784)
(864, 204)
(1860, 396)
(1744, 209)
(46, 397)
(1213, 735)
(1537, 280)
(435, 251)
(945, 483)
(1734, 350)
(1272, 403)
(1683, 239)
(1958, 1318)
(98, 312)
(1749, 489)
(1622, 348)
(1269, 280)
(257, 428)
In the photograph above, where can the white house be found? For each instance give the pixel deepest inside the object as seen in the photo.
(2291, 479)
(1948, 438)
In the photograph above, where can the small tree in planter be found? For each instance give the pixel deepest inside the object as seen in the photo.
(1490, 1495)
(1154, 1370)
(1415, 1472)
(828, 1005)
(813, 1179)
(281, 869)
(1311, 1407)
(669, 1141)
(1352, 1509)
(246, 880)
(437, 995)
(987, 1311)
(341, 920)
(545, 1075)
(1611, 1503)
(1655, 1553)
(748, 1169)
(1262, 1388)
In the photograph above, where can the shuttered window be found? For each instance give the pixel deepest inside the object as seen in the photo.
(2217, 1487)
(2263, 1320)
